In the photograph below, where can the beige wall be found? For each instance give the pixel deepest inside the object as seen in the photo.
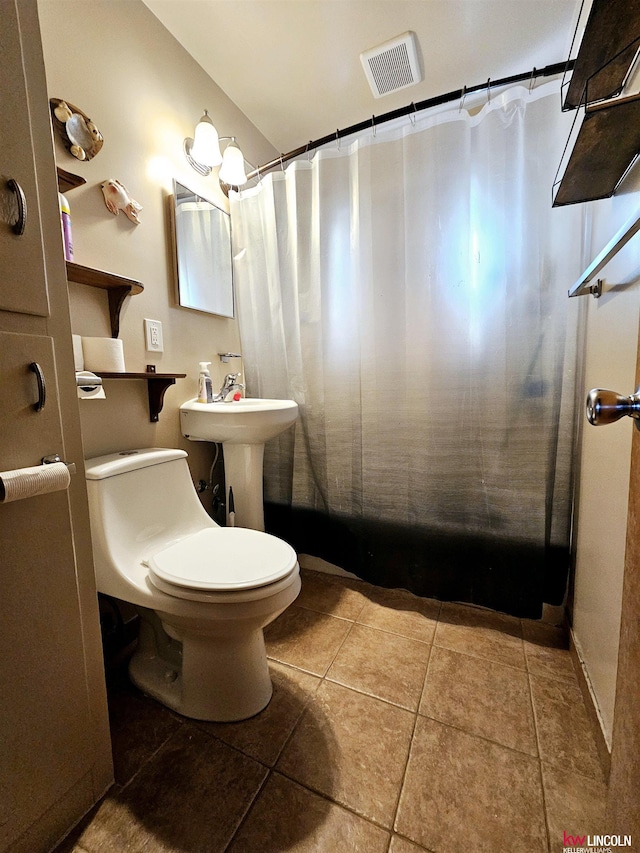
(117, 63)
(610, 360)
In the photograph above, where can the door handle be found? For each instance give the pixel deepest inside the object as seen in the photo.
(21, 222)
(34, 367)
(605, 407)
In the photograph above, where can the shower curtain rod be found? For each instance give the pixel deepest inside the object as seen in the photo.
(458, 94)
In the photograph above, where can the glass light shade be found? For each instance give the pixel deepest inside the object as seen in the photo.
(206, 147)
(232, 170)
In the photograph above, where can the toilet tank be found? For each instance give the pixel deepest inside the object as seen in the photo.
(139, 502)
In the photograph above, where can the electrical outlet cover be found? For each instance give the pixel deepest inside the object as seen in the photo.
(153, 335)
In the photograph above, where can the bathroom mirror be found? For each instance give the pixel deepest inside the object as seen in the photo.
(202, 234)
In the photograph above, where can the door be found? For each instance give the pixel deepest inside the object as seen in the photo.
(623, 801)
(54, 742)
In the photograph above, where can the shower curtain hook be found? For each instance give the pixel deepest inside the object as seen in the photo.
(281, 163)
(463, 96)
(373, 126)
(308, 151)
(338, 138)
(489, 90)
(412, 116)
(531, 81)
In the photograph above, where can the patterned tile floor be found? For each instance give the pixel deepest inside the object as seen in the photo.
(397, 725)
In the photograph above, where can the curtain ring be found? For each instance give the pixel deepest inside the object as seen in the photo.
(489, 90)
(281, 163)
(463, 96)
(338, 138)
(412, 116)
(308, 151)
(373, 125)
(531, 81)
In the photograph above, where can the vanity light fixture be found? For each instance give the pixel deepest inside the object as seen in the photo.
(232, 171)
(203, 154)
(203, 151)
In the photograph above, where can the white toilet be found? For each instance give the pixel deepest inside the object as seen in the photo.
(204, 592)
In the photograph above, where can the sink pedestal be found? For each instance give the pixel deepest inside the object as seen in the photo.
(242, 427)
(243, 473)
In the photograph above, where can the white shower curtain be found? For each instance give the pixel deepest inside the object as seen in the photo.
(409, 291)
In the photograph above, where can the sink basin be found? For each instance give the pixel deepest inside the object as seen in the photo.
(240, 422)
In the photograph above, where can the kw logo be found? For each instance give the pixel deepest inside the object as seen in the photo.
(573, 840)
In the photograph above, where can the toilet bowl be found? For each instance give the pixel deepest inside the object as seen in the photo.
(204, 593)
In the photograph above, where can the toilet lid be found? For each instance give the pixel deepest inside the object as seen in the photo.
(224, 558)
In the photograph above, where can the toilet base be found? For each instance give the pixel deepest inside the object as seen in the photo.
(202, 676)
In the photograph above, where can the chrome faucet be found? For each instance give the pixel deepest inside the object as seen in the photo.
(229, 386)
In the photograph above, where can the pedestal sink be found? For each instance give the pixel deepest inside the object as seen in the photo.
(242, 426)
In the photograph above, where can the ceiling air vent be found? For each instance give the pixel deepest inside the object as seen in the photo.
(393, 65)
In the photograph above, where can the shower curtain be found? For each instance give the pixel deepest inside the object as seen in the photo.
(409, 291)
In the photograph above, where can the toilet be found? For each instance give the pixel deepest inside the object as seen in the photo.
(204, 592)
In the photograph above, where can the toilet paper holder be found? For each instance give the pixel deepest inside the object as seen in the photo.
(27, 482)
(87, 380)
(55, 457)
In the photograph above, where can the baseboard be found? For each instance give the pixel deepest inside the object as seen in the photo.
(604, 752)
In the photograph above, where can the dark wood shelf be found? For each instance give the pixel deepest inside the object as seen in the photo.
(606, 52)
(68, 181)
(101, 278)
(157, 384)
(606, 145)
(117, 286)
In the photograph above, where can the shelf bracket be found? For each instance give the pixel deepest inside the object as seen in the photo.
(117, 286)
(116, 299)
(157, 386)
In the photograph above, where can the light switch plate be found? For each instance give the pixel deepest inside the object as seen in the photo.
(153, 335)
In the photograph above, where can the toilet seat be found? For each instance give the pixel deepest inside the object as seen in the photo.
(221, 560)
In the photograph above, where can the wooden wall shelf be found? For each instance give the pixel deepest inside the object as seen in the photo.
(157, 384)
(607, 143)
(606, 52)
(117, 286)
(68, 181)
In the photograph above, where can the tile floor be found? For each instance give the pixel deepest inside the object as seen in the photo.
(397, 725)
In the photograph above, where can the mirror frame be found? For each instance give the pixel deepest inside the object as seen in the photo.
(216, 305)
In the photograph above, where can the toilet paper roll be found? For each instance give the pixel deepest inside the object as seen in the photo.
(103, 354)
(78, 357)
(29, 482)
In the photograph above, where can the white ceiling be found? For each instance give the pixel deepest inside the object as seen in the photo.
(293, 66)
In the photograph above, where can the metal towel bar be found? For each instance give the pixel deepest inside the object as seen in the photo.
(610, 250)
